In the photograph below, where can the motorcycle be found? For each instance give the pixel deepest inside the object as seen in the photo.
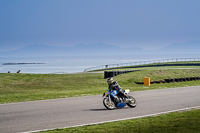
(110, 103)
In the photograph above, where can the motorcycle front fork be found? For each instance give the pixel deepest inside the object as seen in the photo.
(109, 99)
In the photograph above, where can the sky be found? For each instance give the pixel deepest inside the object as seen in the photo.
(148, 24)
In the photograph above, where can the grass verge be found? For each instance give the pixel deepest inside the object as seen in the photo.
(177, 122)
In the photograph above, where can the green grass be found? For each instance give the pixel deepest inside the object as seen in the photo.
(142, 67)
(177, 122)
(156, 68)
(30, 87)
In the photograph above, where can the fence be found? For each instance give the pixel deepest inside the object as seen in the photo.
(139, 63)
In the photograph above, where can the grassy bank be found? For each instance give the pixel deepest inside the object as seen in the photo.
(177, 122)
(151, 67)
(30, 87)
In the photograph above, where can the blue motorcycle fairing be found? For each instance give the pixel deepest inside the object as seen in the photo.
(113, 93)
(121, 105)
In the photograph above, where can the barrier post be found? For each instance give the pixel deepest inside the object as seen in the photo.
(146, 81)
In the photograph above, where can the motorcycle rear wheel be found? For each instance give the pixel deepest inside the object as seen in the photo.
(108, 104)
(132, 103)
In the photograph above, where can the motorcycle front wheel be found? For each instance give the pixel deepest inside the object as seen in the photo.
(108, 104)
(132, 103)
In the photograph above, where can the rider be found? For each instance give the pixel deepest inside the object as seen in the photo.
(113, 85)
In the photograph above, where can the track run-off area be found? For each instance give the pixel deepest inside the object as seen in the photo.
(69, 112)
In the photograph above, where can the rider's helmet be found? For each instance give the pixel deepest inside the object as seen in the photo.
(110, 81)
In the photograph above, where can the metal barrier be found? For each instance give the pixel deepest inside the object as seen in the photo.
(139, 63)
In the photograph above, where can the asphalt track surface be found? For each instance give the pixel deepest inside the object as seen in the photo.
(59, 113)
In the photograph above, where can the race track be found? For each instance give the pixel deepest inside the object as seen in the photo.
(58, 113)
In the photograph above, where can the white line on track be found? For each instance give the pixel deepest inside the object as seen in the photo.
(118, 119)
